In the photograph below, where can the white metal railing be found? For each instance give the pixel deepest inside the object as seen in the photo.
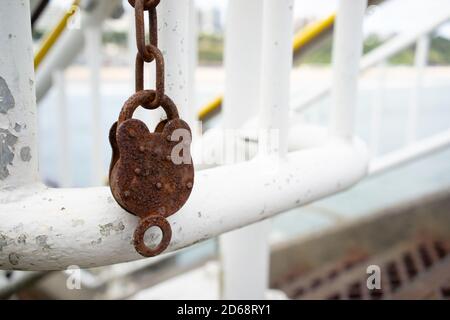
(375, 58)
(85, 227)
(379, 55)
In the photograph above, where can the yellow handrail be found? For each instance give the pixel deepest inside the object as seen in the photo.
(301, 39)
(312, 31)
(210, 107)
(54, 34)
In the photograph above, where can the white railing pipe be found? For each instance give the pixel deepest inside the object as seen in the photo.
(93, 47)
(174, 42)
(46, 229)
(379, 54)
(347, 50)
(64, 162)
(50, 229)
(410, 153)
(377, 109)
(239, 249)
(420, 63)
(245, 252)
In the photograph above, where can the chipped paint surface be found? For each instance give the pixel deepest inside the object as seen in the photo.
(22, 239)
(106, 229)
(25, 154)
(7, 143)
(17, 127)
(7, 101)
(3, 242)
(13, 258)
(41, 241)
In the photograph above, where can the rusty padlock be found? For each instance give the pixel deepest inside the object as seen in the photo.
(145, 178)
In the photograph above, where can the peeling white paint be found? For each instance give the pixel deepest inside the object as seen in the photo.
(6, 98)
(18, 160)
(25, 154)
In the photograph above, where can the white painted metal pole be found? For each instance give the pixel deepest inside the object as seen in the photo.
(193, 62)
(276, 69)
(420, 63)
(174, 42)
(242, 61)
(64, 166)
(93, 36)
(391, 47)
(347, 50)
(86, 227)
(377, 110)
(60, 230)
(243, 253)
(131, 43)
(18, 142)
(410, 153)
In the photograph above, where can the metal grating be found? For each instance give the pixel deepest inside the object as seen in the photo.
(418, 270)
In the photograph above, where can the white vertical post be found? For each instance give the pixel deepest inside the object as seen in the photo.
(131, 43)
(174, 42)
(347, 50)
(242, 61)
(193, 62)
(247, 276)
(64, 166)
(276, 70)
(244, 252)
(377, 110)
(420, 63)
(18, 141)
(93, 34)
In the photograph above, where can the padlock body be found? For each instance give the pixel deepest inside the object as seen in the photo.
(146, 176)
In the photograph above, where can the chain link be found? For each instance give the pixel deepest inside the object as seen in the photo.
(148, 52)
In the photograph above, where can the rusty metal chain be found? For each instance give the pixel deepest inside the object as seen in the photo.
(148, 52)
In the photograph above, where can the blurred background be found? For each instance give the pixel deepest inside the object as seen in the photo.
(398, 219)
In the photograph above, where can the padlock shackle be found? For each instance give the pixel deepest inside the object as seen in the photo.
(143, 97)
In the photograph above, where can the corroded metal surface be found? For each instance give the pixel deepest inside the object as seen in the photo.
(150, 52)
(144, 179)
